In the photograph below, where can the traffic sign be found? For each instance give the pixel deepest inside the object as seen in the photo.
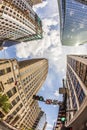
(55, 102)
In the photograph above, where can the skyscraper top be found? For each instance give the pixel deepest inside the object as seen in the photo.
(20, 80)
(29, 62)
(73, 22)
(18, 22)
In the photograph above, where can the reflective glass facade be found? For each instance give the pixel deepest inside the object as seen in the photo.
(82, 1)
(73, 22)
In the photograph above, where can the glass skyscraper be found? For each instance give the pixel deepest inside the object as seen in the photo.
(73, 22)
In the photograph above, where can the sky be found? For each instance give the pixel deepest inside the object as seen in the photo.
(49, 47)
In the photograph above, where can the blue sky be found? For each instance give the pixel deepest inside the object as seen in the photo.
(49, 47)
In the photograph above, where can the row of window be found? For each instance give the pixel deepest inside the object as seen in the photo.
(5, 62)
(11, 92)
(13, 26)
(80, 69)
(5, 71)
(79, 91)
(21, 18)
(72, 93)
(15, 101)
(9, 25)
(36, 83)
(10, 117)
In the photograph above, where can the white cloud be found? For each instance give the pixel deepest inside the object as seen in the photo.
(50, 21)
(42, 89)
(41, 5)
(81, 25)
(56, 93)
(73, 29)
(55, 106)
(83, 6)
(49, 127)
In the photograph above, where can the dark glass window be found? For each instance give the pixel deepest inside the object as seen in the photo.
(1, 87)
(14, 90)
(17, 98)
(14, 113)
(8, 69)
(10, 80)
(81, 96)
(21, 105)
(2, 72)
(1, 115)
(14, 103)
(9, 93)
(78, 87)
(86, 78)
(17, 109)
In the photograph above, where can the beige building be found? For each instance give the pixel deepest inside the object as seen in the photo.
(37, 1)
(77, 98)
(20, 80)
(18, 21)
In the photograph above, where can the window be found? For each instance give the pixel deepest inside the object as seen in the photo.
(6, 8)
(10, 10)
(14, 90)
(11, 106)
(21, 105)
(17, 109)
(8, 69)
(2, 72)
(1, 115)
(14, 103)
(1, 87)
(86, 78)
(78, 88)
(9, 93)
(81, 97)
(17, 98)
(10, 80)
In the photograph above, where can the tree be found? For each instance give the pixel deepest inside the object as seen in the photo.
(4, 103)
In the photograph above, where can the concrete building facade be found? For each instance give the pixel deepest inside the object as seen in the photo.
(36, 1)
(76, 81)
(40, 122)
(72, 26)
(20, 80)
(18, 21)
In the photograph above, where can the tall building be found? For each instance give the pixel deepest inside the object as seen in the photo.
(20, 80)
(18, 21)
(40, 122)
(61, 118)
(76, 81)
(73, 19)
(57, 125)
